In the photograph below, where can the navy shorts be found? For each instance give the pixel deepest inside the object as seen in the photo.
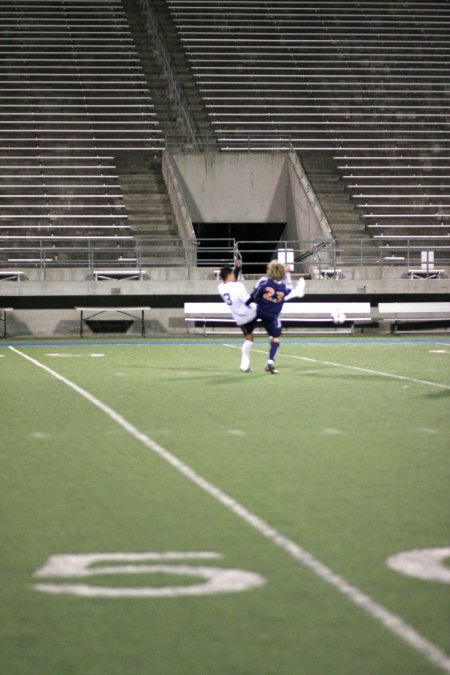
(272, 324)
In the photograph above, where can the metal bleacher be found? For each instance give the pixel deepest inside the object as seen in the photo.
(406, 199)
(72, 96)
(71, 79)
(50, 205)
(366, 82)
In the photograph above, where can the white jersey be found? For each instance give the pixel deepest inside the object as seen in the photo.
(236, 295)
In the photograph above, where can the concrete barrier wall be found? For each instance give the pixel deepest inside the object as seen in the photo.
(250, 188)
(306, 220)
(233, 188)
(65, 323)
(40, 322)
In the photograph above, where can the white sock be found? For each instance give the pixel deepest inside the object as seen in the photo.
(246, 351)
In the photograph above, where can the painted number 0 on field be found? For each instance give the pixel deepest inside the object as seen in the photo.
(214, 579)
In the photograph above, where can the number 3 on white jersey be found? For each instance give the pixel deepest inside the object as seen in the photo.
(227, 298)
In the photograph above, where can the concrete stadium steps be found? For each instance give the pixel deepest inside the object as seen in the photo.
(183, 71)
(345, 221)
(155, 81)
(152, 70)
(148, 205)
(331, 191)
(357, 81)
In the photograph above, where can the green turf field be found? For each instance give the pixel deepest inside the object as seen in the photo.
(267, 507)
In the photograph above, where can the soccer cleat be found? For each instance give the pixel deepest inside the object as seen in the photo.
(270, 368)
(246, 370)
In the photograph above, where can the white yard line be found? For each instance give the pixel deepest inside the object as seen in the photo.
(370, 371)
(391, 621)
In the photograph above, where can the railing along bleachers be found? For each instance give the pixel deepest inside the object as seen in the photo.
(365, 81)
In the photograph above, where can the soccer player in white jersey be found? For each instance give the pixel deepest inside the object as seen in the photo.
(236, 296)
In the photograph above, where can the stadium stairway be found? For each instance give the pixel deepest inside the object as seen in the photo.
(145, 195)
(202, 124)
(156, 81)
(336, 202)
(149, 210)
(165, 107)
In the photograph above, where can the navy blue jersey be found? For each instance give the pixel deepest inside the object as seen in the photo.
(269, 295)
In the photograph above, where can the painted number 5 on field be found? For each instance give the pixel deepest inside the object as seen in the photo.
(213, 579)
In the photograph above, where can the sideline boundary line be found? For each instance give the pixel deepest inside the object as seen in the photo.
(391, 621)
(344, 365)
(202, 341)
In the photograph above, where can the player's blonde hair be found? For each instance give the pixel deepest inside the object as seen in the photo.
(276, 270)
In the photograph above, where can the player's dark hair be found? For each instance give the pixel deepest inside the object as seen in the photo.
(224, 272)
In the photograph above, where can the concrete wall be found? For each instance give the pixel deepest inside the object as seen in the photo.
(250, 188)
(162, 320)
(306, 220)
(233, 187)
(65, 323)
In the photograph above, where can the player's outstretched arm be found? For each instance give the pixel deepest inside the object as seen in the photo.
(237, 267)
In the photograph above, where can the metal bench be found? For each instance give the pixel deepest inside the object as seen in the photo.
(110, 274)
(210, 313)
(12, 275)
(398, 313)
(426, 274)
(89, 313)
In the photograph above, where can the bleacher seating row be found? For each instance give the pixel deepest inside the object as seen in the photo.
(72, 95)
(72, 80)
(410, 202)
(365, 81)
(59, 202)
(248, 55)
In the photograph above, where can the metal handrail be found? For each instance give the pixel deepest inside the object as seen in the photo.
(175, 89)
(250, 144)
(156, 251)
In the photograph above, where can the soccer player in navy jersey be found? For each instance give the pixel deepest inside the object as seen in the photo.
(269, 295)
